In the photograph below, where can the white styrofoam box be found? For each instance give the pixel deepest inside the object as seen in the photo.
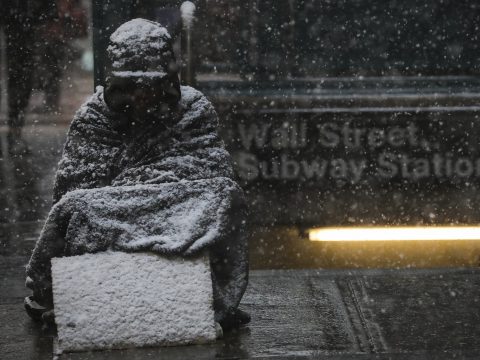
(121, 300)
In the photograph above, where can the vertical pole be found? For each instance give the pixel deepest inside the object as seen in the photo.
(187, 10)
(98, 42)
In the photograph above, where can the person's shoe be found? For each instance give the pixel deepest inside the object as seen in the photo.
(218, 330)
(34, 309)
(242, 317)
(235, 319)
(48, 317)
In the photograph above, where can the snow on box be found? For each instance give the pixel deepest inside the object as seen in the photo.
(121, 300)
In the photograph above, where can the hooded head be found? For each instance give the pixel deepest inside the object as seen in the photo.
(143, 74)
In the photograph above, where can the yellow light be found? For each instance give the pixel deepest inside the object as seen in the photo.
(395, 233)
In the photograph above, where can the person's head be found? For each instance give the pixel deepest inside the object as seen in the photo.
(143, 76)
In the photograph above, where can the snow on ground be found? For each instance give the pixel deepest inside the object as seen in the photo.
(121, 300)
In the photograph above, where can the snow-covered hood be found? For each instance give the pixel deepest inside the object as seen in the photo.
(141, 47)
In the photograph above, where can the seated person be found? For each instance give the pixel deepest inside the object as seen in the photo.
(143, 169)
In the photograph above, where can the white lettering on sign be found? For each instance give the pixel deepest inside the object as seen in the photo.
(287, 168)
(333, 135)
(359, 153)
(387, 166)
(289, 135)
(438, 166)
(293, 135)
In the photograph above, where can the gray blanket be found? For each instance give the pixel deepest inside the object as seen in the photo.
(167, 188)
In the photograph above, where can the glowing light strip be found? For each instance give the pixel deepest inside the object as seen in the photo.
(395, 233)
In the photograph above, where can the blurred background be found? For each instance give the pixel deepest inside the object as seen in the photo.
(338, 114)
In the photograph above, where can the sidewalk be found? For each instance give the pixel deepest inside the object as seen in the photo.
(296, 314)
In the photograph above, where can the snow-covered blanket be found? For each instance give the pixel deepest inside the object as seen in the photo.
(167, 188)
(172, 218)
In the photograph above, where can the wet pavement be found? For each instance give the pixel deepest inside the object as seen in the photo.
(342, 314)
